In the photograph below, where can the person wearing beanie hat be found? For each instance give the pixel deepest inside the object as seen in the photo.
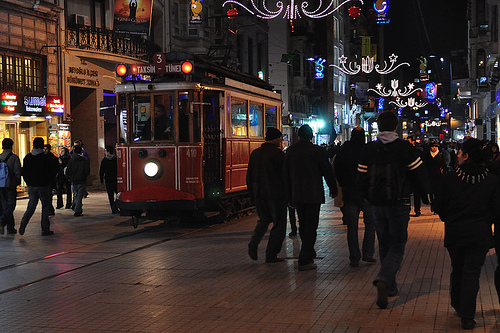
(265, 185)
(306, 164)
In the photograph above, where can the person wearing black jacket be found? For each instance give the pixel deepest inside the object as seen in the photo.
(63, 184)
(38, 172)
(306, 164)
(108, 174)
(77, 172)
(266, 188)
(345, 166)
(467, 201)
(391, 218)
(55, 165)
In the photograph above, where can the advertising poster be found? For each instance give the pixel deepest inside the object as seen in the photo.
(133, 16)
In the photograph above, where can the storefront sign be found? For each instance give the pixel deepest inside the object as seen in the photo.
(84, 81)
(55, 105)
(35, 104)
(9, 102)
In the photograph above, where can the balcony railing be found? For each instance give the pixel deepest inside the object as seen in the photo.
(102, 40)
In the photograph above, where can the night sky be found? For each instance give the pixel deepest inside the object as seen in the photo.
(425, 27)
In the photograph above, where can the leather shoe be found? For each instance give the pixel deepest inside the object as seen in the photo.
(382, 294)
(292, 234)
(369, 259)
(78, 214)
(59, 207)
(275, 259)
(308, 267)
(468, 324)
(252, 251)
(22, 228)
(354, 264)
(12, 232)
(393, 293)
(47, 232)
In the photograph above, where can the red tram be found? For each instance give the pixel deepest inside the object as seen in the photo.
(185, 140)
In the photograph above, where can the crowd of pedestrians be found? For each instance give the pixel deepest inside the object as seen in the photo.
(378, 179)
(46, 175)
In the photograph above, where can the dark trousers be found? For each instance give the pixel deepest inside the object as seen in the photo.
(350, 217)
(64, 187)
(293, 219)
(270, 211)
(466, 265)
(416, 202)
(9, 200)
(308, 226)
(391, 223)
(112, 189)
(36, 193)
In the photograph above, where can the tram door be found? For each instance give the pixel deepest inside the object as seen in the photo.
(212, 144)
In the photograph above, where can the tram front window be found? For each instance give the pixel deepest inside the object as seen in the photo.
(141, 119)
(163, 117)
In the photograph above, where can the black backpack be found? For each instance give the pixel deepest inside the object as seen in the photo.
(386, 174)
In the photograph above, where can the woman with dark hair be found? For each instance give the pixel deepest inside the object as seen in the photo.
(466, 201)
(63, 184)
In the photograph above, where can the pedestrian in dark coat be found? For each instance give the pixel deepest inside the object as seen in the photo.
(266, 187)
(63, 184)
(467, 201)
(77, 172)
(108, 174)
(54, 164)
(345, 166)
(436, 166)
(8, 195)
(38, 172)
(306, 164)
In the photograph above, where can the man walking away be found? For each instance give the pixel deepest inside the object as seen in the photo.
(37, 172)
(266, 187)
(55, 165)
(77, 172)
(345, 166)
(108, 173)
(385, 168)
(305, 166)
(8, 193)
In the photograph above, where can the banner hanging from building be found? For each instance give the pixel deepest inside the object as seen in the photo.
(133, 16)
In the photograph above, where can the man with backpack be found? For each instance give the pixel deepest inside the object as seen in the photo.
(385, 169)
(10, 177)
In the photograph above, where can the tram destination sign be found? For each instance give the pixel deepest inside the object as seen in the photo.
(167, 68)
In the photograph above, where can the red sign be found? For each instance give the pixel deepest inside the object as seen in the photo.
(166, 68)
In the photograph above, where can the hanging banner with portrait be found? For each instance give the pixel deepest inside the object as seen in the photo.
(133, 16)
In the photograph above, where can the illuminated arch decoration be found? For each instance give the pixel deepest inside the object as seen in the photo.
(367, 66)
(396, 92)
(292, 11)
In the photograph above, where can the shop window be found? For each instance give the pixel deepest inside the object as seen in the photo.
(256, 123)
(239, 117)
(271, 120)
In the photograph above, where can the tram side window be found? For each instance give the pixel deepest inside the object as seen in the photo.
(256, 122)
(271, 120)
(239, 117)
(163, 117)
(122, 120)
(184, 111)
(141, 118)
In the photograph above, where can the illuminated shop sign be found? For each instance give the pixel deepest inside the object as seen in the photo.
(9, 102)
(319, 68)
(35, 104)
(381, 7)
(55, 105)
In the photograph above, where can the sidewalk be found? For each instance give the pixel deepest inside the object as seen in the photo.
(98, 274)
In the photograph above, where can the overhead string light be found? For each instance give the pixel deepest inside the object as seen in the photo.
(292, 11)
(368, 65)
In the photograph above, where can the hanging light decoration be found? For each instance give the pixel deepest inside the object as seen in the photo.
(397, 93)
(367, 65)
(292, 11)
(354, 12)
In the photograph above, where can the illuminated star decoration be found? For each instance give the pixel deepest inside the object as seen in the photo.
(367, 66)
(291, 11)
(398, 93)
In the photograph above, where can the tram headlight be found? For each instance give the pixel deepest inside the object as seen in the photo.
(153, 169)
